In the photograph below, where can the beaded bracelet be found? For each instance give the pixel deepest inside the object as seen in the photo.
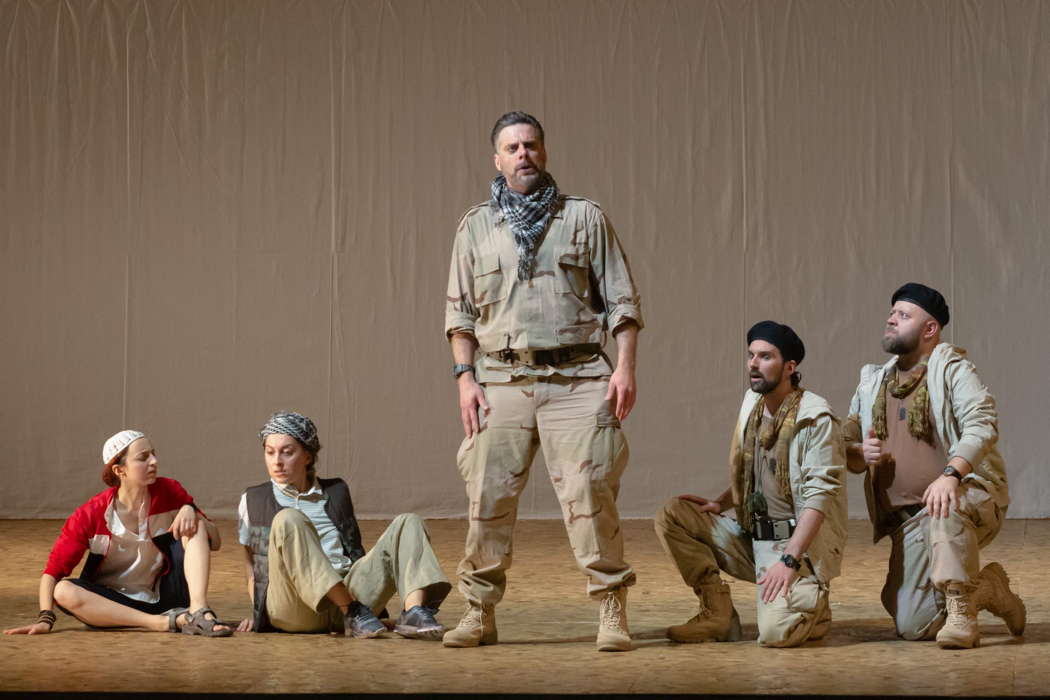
(47, 616)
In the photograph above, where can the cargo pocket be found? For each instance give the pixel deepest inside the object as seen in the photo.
(488, 281)
(804, 595)
(606, 417)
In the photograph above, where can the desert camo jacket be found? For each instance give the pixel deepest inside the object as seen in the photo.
(581, 289)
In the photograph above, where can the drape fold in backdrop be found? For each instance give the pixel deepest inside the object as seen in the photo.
(211, 210)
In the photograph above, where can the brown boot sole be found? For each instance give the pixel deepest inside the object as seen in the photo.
(486, 640)
(952, 644)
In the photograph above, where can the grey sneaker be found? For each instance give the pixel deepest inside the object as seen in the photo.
(360, 622)
(418, 622)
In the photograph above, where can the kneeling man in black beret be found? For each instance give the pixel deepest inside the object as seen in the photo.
(923, 429)
(787, 471)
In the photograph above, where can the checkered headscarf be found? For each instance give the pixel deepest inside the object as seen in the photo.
(527, 215)
(295, 424)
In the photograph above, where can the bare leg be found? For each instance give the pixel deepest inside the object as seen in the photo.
(414, 598)
(196, 566)
(93, 609)
(339, 594)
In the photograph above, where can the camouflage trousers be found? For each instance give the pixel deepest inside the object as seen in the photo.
(300, 573)
(586, 453)
(703, 544)
(929, 552)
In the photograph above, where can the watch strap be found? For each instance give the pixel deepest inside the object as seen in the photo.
(791, 561)
(462, 368)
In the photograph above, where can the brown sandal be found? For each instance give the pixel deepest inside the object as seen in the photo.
(197, 623)
(173, 618)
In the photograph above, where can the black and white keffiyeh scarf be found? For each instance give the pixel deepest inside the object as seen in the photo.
(527, 215)
(295, 424)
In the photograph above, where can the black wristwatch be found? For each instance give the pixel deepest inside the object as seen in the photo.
(791, 561)
(461, 369)
(949, 470)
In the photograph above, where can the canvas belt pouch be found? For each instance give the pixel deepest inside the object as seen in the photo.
(763, 528)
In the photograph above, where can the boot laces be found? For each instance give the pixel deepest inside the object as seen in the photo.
(957, 607)
(611, 615)
(471, 617)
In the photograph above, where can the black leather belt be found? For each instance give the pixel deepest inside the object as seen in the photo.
(766, 529)
(553, 356)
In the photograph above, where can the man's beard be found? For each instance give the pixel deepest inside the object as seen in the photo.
(900, 344)
(529, 183)
(764, 386)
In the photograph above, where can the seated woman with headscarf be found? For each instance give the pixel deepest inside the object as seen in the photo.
(149, 555)
(307, 570)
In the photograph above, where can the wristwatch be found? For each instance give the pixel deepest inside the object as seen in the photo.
(791, 561)
(949, 470)
(461, 369)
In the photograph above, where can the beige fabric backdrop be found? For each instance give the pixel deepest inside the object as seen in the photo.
(209, 210)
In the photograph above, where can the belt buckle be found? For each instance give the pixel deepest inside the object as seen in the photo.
(554, 356)
(781, 530)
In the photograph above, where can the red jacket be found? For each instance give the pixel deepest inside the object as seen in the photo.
(87, 528)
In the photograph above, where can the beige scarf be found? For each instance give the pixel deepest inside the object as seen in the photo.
(778, 433)
(919, 424)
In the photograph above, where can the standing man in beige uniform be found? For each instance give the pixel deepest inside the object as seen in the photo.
(537, 279)
(788, 475)
(923, 430)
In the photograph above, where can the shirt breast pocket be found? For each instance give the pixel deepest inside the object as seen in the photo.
(489, 284)
(574, 274)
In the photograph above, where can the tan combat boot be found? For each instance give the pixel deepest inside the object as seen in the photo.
(717, 620)
(994, 595)
(613, 634)
(477, 626)
(960, 629)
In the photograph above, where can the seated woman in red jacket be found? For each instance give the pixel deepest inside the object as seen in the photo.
(149, 557)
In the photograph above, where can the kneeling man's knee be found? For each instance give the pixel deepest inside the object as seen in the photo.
(667, 516)
(916, 627)
(785, 630)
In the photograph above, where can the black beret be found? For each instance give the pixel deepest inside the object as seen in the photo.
(785, 339)
(929, 299)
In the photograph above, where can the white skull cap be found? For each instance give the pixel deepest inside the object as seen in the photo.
(118, 443)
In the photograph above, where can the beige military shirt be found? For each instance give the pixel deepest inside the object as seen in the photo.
(581, 288)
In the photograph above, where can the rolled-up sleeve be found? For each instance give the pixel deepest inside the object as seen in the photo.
(851, 430)
(613, 275)
(461, 314)
(823, 464)
(975, 413)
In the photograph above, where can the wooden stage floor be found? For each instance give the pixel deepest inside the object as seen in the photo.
(547, 628)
